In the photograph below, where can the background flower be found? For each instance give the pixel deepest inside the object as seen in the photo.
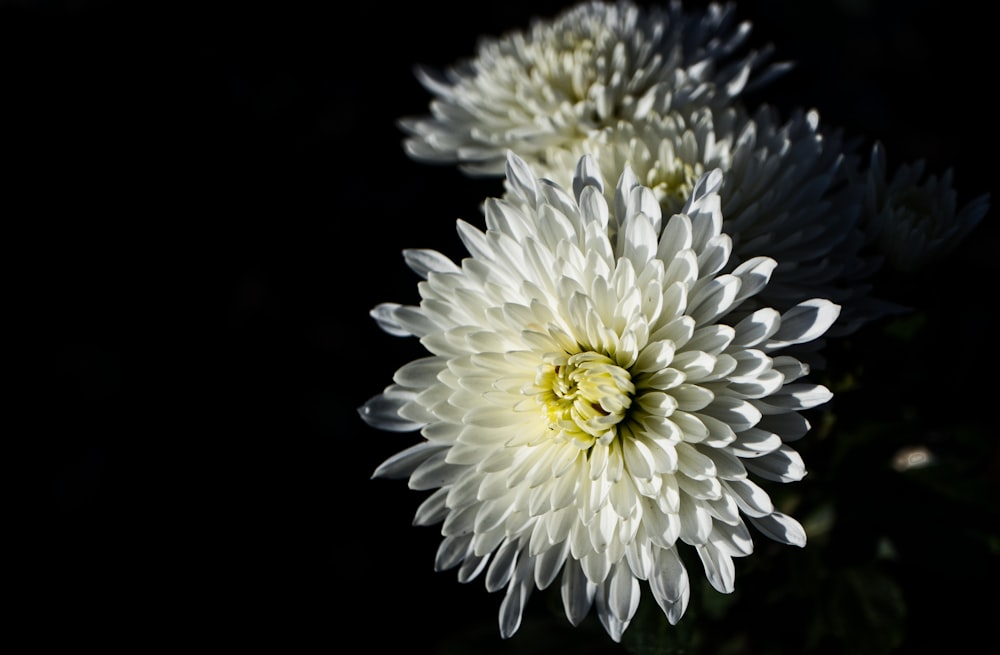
(662, 88)
(589, 65)
(914, 216)
(788, 194)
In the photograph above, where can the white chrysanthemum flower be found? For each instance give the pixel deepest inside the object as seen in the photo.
(785, 194)
(590, 66)
(586, 411)
(914, 217)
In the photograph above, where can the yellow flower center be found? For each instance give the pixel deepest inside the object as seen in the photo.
(672, 182)
(584, 395)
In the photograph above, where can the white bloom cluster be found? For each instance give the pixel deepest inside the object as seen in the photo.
(623, 356)
(661, 88)
(592, 65)
(786, 194)
(585, 408)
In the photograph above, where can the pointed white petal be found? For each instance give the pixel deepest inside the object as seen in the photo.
(424, 261)
(502, 566)
(781, 465)
(406, 461)
(806, 321)
(382, 412)
(719, 568)
(452, 551)
(669, 584)
(577, 591)
(780, 527)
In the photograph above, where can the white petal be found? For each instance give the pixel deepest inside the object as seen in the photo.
(712, 339)
(691, 397)
(713, 299)
(638, 458)
(404, 462)
(661, 524)
(612, 625)
(755, 442)
(732, 538)
(750, 363)
(471, 567)
(433, 472)
(696, 521)
(693, 429)
(669, 584)
(491, 417)
(662, 452)
(549, 563)
(720, 433)
(751, 498)
(790, 426)
(639, 556)
(492, 513)
(781, 465)
(588, 173)
(433, 509)
(654, 357)
(657, 403)
(419, 373)
(424, 261)
(735, 412)
(806, 321)
(639, 241)
(452, 551)
(794, 397)
(512, 605)
(781, 527)
(696, 365)
(623, 593)
(718, 568)
(502, 567)
(727, 465)
(715, 254)
(754, 274)
(382, 412)
(521, 179)
(757, 328)
(676, 238)
(693, 464)
(577, 592)
(384, 316)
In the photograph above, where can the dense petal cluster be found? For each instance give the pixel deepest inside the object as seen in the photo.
(786, 194)
(588, 67)
(658, 88)
(914, 217)
(585, 408)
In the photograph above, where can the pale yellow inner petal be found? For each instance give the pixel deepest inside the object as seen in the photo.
(584, 395)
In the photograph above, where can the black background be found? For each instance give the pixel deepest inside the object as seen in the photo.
(213, 195)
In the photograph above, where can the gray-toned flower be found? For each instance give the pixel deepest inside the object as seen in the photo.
(786, 194)
(585, 409)
(914, 217)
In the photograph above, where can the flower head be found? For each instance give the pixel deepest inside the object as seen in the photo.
(785, 194)
(590, 66)
(914, 218)
(586, 410)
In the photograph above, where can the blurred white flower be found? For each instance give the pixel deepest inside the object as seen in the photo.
(785, 194)
(914, 217)
(586, 411)
(588, 67)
